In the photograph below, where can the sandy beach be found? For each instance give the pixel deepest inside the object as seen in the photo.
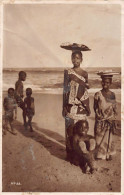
(32, 33)
(36, 162)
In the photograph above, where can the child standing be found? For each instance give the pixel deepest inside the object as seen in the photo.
(29, 107)
(19, 93)
(105, 115)
(10, 108)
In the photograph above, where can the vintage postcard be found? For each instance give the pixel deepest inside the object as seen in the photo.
(61, 97)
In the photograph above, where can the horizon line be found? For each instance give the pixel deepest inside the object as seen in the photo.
(60, 67)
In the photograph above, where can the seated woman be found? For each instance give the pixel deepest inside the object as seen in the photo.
(83, 147)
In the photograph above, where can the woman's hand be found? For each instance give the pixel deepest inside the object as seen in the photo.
(87, 85)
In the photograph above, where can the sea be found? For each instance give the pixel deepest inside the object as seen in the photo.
(50, 80)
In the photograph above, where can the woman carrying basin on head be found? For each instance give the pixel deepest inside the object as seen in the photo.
(75, 94)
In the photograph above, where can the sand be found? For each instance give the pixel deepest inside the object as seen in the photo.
(36, 162)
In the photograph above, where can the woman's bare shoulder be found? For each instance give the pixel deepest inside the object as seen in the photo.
(83, 72)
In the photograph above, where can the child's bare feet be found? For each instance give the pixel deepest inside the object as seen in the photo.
(4, 132)
(87, 169)
(13, 132)
(109, 158)
(93, 170)
(31, 129)
(7, 128)
(25, 126)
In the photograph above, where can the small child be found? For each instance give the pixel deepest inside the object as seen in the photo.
(29, 106)
(19, 93)
(10, 108)
(105, 116)
(83, 147)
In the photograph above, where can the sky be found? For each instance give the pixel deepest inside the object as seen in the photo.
(33, 33)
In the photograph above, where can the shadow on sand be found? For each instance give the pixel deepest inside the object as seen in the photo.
(50, 133)
(53, 147)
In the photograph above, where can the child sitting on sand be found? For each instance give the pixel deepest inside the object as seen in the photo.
(29, 107)
(83, 147)
(10, 109)
(19, 93)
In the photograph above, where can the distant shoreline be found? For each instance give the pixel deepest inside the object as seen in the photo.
(59, 91)
(60, 69)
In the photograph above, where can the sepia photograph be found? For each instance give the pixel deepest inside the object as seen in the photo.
(61, 97)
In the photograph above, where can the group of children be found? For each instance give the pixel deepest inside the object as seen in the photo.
(14, 99)
(82, 148)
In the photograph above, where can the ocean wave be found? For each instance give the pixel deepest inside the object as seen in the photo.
(40, 89)
(59, 91)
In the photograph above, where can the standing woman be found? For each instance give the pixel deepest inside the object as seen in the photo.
(75, 95)
(105, 113)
